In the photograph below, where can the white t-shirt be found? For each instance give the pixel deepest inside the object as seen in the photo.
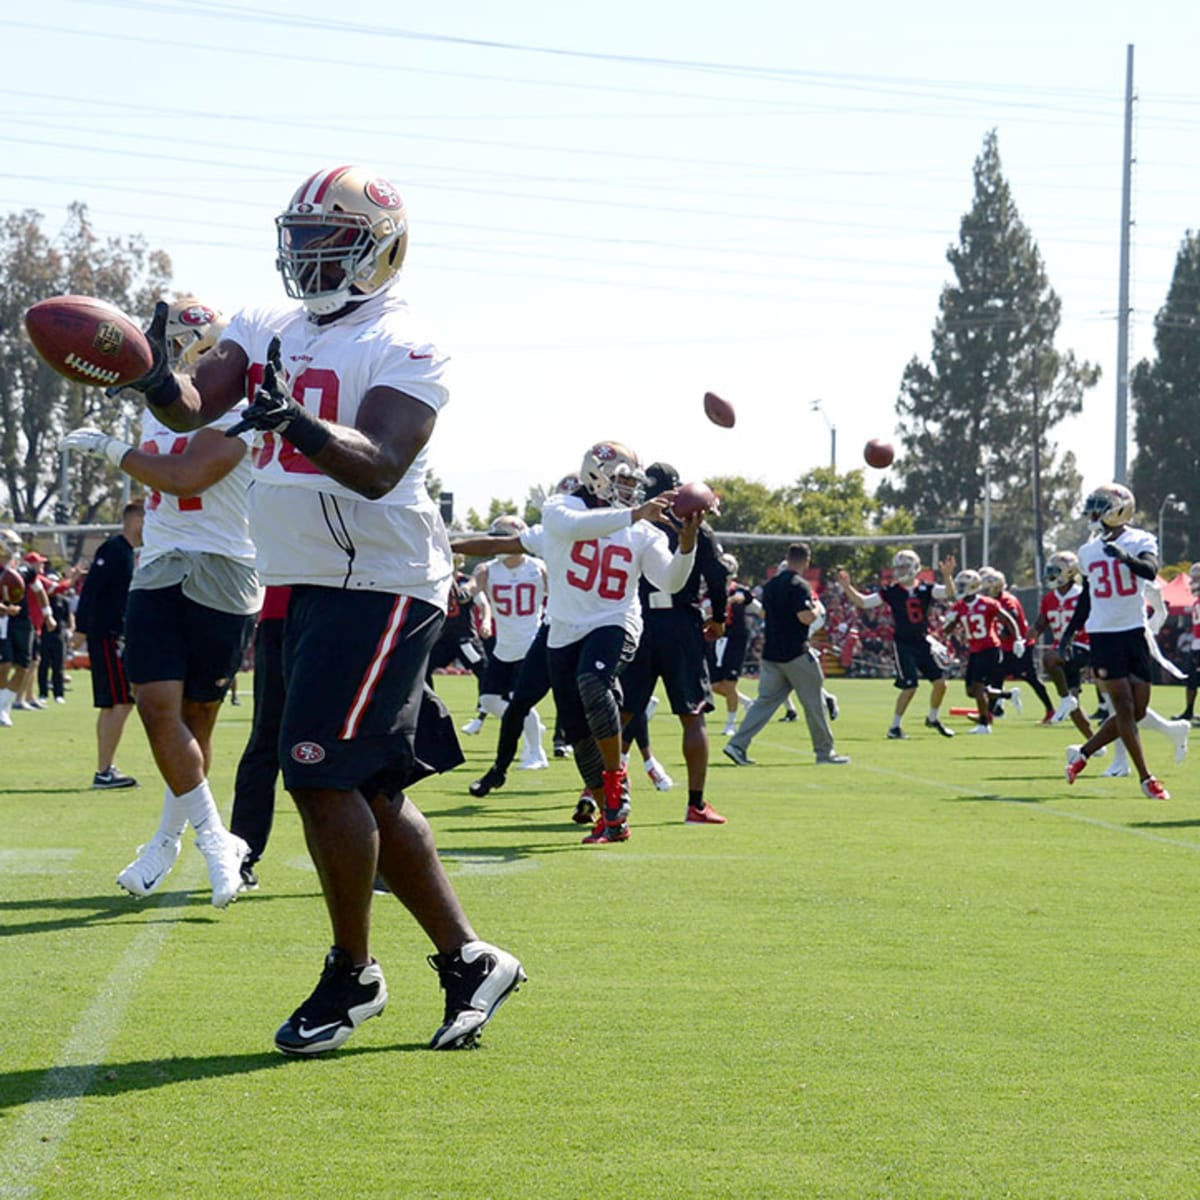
(517, 596)
(308, 527)
(594, 557)
(1118, 596)
(214, 522)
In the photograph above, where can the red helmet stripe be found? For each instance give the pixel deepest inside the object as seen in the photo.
(330, 179)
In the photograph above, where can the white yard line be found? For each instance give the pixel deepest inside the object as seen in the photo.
(37, 1134)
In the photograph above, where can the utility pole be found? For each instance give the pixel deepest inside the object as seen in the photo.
(1038, 551)
(1120, 464)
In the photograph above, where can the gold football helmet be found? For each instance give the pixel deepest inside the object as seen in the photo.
(193, 329)
(994, 581)
(613, 474)
(1062, 569)
(1110, 506)
(342, 237)
(967, 583)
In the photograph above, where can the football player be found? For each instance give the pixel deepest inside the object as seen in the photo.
(1193, 677)
(980, 619)
(1013, 666)
(515, 587)
(191, 606)
(347, 385)
(727, 653)
(672, 647)
(1116, 566)
(1063, 589)
(916, 656)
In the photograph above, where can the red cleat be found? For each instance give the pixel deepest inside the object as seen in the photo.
(1076, 761)
(1048, 719)
(585, 808)
(706, 815)
(1153, 789)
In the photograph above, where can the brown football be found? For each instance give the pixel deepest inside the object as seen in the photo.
(692, 498)
(12, 586)
(88, 340)
(718, 411)
(879, 453)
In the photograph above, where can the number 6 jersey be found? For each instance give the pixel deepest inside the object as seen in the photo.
(308, 527)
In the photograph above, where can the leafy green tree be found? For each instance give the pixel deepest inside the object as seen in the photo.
(37, 405)
(1165, 395)
(993, 368)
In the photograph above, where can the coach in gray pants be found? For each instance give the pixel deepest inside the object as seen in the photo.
(789, 663)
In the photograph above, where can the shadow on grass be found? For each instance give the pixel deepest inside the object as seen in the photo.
(97, 1080)
(1164, 824)
(82, 912)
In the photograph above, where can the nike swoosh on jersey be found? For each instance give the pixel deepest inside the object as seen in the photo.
(412, 355)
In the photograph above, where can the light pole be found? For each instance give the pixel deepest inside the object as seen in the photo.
(817, 408)
(1170, 500)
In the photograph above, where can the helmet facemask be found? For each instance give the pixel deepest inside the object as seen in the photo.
(906, 566)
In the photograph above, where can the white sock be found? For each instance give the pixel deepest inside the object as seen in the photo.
(7, 696)
(531, 732)
(174, 817)
(201, 809)
(1159, 724)
(933, 715)
(493, 705)
(1120, 759)
(896, 719)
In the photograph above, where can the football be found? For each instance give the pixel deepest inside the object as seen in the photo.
(879, 453)
(718, 411)
(693, 498)
(88, 340)
(12, 586)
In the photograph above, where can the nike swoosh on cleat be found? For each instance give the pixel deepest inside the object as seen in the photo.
(317, 1030)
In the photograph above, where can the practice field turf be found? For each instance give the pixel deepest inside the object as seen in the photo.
(936, 972)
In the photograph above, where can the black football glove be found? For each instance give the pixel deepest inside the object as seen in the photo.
(273, 410)
(273, 407)
(156, 335)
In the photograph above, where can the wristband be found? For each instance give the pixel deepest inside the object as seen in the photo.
(306, 433)
(115, 451)
(46, 612)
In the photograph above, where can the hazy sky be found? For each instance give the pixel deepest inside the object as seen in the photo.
(617, 207)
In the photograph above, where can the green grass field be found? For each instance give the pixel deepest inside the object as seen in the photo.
(937, 972)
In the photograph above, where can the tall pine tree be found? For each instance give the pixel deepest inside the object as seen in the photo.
(994, 368)
(1165, 396)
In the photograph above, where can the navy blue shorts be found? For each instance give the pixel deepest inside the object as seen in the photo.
(1120, 655)
(671, 649)
(358, 714)
(169, 636)
(499, 677)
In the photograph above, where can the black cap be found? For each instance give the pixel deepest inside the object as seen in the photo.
(660, 477)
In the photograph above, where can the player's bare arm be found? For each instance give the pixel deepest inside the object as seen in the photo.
(852, 593)
(487, 544)
(1145, 565)
(206, 460)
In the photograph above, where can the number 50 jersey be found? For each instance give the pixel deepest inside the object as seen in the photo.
(309, 528)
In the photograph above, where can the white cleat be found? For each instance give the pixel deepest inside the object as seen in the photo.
(1116, 770)
(534, 763)
(1066, 706)
(730, 729)
(473, 726)
(152, 865)
(1179, 735)
(981, 729)
(1014, 694)
(661, 780)
(223, 852)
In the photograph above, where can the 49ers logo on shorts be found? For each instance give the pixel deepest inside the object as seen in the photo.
(383, 193)
(308, 753)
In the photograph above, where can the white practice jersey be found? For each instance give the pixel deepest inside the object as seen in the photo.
(309, 528)
(594, 557)
(517, 595)
(1118, 596)
(215, 522)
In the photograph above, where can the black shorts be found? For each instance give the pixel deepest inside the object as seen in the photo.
(1077, 660)
(983, 666)
(605, 652)
(671, 649)
(727, 664)
(5, 647)
(109, 684)
(1193, 679)
(470, 653)
(358, 714)
(1119, 655)
(169, 636)
(499, 677)
(20, 642)
(914, 661)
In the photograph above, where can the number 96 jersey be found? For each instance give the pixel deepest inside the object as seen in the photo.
(310, 529)
(1118, 600)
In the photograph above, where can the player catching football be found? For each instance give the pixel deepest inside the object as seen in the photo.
(347, 386)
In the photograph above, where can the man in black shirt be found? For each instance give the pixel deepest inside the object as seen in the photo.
(789, 663)
(672, 646)
(101, 617)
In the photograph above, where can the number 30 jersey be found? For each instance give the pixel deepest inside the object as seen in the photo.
(309, 528)
(1118, 600)
(594, 557)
